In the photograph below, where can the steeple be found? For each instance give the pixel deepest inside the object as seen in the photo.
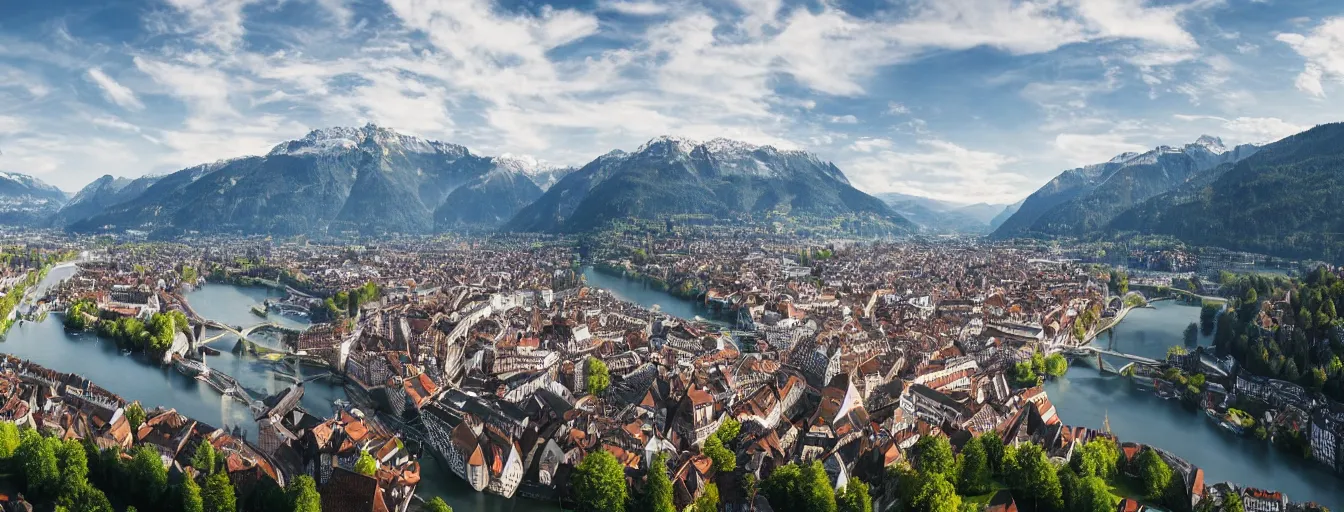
(1106, 422)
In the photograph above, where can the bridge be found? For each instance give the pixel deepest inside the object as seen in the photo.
(241, 334)
(1089, 350)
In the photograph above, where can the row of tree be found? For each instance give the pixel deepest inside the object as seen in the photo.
(75, 476)
(1028, 373)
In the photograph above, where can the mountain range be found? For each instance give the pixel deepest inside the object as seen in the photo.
(1080, 201)
(27, 201)
(944, 217)
(1283, 200)
(671, 176)
(373, 180)
(1277, 199)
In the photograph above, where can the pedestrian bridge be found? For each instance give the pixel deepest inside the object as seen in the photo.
(242, 334)
(1090, 351)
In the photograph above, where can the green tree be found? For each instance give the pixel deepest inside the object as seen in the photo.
(728, 431)
(597, 379)
(935, 494)
(1154, 474)
(933, 454)
(434, 505)
(708, 501)
(135, 415)
(147, 477)
(191, 495)
(599, 483)
(1056, 365)
(854, 497)
(217, 496)
(40, 469)
(975, 472)
(658, 490)
(1098, 458)
(74, 466)
(9, 440)
(725, 461)
(794, 488)
(204, 459)
(994, 449)
(818, 494)
(1232, 503)
(365, 465)
(1037, 480)
(302, 492)
(1095, 496)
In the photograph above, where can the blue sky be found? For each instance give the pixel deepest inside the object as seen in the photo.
(963, 100)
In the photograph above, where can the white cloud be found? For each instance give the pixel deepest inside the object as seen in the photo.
(938, 169)
(1258, 130)
(215, 22)
(897, 109)
(114, 123)
(1086, 149)
(845, 119)
(1263, 129)
(33, 85)
(1323, 50)
(115, 92)
(634, 7)
(870, 144)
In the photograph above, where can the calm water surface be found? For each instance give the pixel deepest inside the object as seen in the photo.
(1085, 398)
(135, 378)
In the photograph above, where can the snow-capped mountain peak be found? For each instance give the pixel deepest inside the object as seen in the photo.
(340, 139)
(678, 144)
(1123, 157)
(1211, 143)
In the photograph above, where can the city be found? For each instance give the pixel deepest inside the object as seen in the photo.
(671, 256)
(506, 363)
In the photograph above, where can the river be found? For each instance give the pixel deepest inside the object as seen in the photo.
(1085, 398)
(135, 378)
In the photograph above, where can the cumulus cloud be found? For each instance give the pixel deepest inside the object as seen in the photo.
(1323, 51)
(845, 119)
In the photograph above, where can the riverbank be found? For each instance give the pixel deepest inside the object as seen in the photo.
(1086, 397)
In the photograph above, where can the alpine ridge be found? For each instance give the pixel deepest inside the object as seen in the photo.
(27, 201)
(1085, 199)
(722, 179)
(369, 180)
